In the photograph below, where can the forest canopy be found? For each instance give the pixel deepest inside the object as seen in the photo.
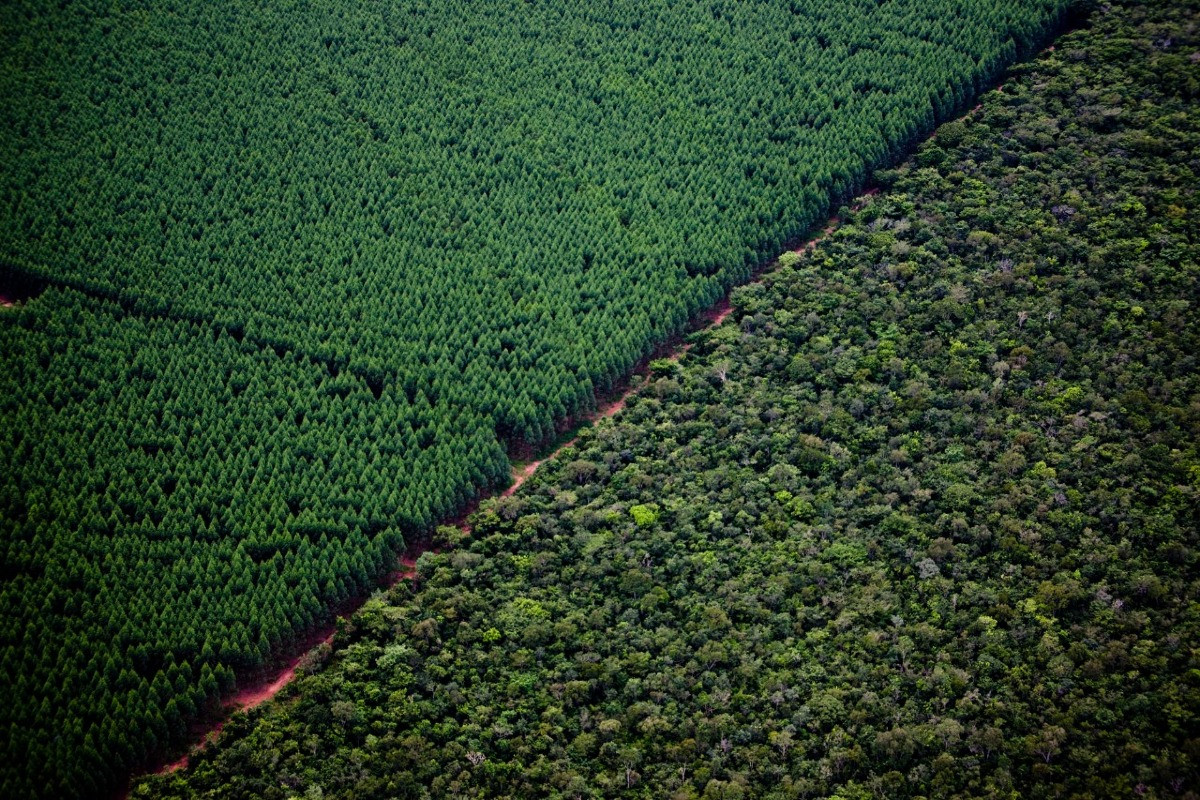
(500, 205)
(312, 267)
(919, 520)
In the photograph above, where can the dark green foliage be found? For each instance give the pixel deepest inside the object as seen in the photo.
(314, 264)
(920, 521)
(175, 505)
(500, 204)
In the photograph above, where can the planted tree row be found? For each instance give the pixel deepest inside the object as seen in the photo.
(174, 507)
(501, 204)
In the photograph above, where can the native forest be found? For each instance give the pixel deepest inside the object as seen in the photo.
(686, 399)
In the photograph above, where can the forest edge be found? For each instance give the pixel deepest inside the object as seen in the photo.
(264, 684)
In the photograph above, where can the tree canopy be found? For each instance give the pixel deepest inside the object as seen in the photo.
(500, 204)
(313, 266)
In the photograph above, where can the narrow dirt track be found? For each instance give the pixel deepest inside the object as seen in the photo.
(605, 410)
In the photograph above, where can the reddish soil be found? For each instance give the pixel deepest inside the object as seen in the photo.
(613, 408)
(811, 244)
(256, 692)
(831, 225)
(254, 695)
(408, 567)
(522, 474)
(174, 765)
(715, 315)
(606, 409)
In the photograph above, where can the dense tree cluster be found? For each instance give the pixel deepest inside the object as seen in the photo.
(919, 521)
(174, 505)
(312, 265)
(502, 204)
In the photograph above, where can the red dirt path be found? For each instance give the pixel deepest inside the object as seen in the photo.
(255, 695)
(605, 410)
(256, 692)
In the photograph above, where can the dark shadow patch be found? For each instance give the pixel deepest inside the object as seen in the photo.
(17, 288)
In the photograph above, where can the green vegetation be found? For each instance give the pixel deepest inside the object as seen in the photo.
(501, 205)
(174, 505)
(313, 266)
(919, 521)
